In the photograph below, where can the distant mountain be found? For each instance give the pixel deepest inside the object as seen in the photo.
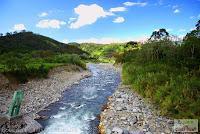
(28, 41)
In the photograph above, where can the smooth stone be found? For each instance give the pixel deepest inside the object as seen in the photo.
(117, 130)
(123, 118)
(148, 133)
(119, 108)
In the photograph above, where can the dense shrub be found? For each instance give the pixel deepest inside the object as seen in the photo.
(168, 74)
(35, 64)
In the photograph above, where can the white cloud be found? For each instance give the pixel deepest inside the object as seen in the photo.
(50, 23)
(110, 40)
(88, 14)
(176, 11)
(192, 17)
(117, 9)
(135, 4)
(43, 14)
(191, 29)
(119, 20)
(195, 17)
(71, 20)
(100, 40)
(65, 41)
(19, 27)
(175, 6)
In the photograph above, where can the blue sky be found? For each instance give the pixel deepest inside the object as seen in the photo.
(101, 21)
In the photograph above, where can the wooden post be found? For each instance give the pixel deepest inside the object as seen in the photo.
(14, 108)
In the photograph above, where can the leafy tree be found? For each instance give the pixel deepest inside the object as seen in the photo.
(23, 31)
(1, 34)
(160, 34)
(8, 34)
(131, 43)
(198, 25)
(190, 50)
(15, 32)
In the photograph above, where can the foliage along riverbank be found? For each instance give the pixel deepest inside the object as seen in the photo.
(26, 55)
(168, 74)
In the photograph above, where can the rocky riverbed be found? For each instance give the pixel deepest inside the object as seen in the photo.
(39, 93)
(128, 113)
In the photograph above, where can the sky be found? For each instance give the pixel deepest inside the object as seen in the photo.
(99, 21)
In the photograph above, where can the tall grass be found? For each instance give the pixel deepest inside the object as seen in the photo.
(159, 71)
(25, 66)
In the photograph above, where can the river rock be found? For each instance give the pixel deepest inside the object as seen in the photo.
(119, 108)
(117, 130)
(131, 112)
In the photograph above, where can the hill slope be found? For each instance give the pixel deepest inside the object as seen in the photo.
(27, 55)
(28, 41)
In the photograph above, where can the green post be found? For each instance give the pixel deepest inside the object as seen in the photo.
(14, 108)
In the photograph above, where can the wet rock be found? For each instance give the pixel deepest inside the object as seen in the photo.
(131, 113)
(133, 120)
(117, 130)
(119, 108)
(123, 118)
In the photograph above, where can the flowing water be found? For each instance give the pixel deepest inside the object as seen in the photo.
(77, 111)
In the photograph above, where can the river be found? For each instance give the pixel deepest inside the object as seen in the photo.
(77, 111)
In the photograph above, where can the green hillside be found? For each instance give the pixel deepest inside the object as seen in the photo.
(28, 41)
(27, 55)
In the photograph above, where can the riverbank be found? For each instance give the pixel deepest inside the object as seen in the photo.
(127, 112)
(39, 93)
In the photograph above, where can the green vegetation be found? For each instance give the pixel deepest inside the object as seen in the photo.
(26, 55)
(106, 52)
(167, 73)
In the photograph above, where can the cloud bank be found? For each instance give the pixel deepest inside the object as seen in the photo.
(87, 15)
(56, 24)
(19, 27)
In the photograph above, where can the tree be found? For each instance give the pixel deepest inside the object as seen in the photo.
(132, 43)
(192, 43)
(8, 34)
(15, 32)
(198, 25)
(160, 34)
(1, 34)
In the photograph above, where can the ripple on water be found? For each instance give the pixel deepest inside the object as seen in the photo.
(81, 103)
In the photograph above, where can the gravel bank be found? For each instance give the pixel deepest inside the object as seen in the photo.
(39, 93)
(127, 113)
